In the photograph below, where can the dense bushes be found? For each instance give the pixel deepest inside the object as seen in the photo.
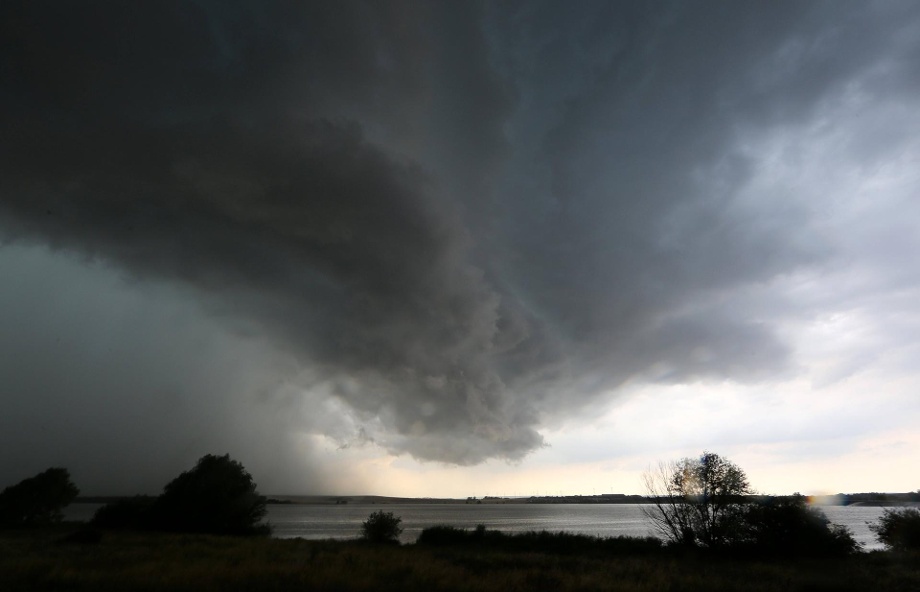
(561, 543)
(899, 529)
(134, 513)
(789, 527)
(217, 496)
(772, 527)
(38, 499)
(446, 536)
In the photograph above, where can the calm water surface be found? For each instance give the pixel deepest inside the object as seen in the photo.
(320, 522)
(342, 522)
(345, 521)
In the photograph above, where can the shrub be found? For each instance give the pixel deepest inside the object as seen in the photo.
(899, 529)
(558, 543)
(217, 496)
(135, 513)
(381, 527)
(38, 499)
(452, 536)
(789, 527)
(443, 536)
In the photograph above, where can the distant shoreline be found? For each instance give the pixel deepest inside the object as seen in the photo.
(853, 499)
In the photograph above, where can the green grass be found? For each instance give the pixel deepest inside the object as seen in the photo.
(38, 560)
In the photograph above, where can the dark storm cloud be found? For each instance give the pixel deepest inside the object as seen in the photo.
(460, 217)
(180, 145)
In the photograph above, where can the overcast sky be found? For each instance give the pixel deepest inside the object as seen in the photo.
(452, 248)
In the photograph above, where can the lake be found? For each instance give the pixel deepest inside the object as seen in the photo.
(605, 520)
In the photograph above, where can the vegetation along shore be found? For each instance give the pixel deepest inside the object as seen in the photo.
(204, 532)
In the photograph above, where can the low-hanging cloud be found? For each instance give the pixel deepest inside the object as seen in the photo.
(465, 219)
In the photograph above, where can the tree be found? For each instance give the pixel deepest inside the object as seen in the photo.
(38, 499)
(381, 527)
(697, 501)
(217, 496)
(898, 529)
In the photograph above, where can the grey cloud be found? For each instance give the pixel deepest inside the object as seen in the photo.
(350, 257)
(646, 164)
(334, 248)
(462, 219)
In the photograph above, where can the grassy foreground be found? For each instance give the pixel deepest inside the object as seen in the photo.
(40, 560)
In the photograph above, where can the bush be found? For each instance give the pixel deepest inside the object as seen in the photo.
(135, 513)
(451, 536)
(442, 536)
(558, 543)
(381, 527)
(789, 527)
(217, 496)
(38, 499)
(899, 529)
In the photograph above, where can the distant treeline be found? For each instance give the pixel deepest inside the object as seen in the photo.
(840, 499)
(604, 498)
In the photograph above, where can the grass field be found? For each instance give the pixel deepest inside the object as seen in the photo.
(41, 560)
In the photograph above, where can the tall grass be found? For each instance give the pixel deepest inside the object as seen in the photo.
(157, 562)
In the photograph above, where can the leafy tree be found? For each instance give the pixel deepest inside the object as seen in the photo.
(381, 527)
(706, 501)
(898, 529)
(217, 496)
(38, 499)
(697, 501)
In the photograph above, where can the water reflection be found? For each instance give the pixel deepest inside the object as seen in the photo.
(344, 521)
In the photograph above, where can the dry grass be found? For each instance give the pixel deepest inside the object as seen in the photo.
(163, 562)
